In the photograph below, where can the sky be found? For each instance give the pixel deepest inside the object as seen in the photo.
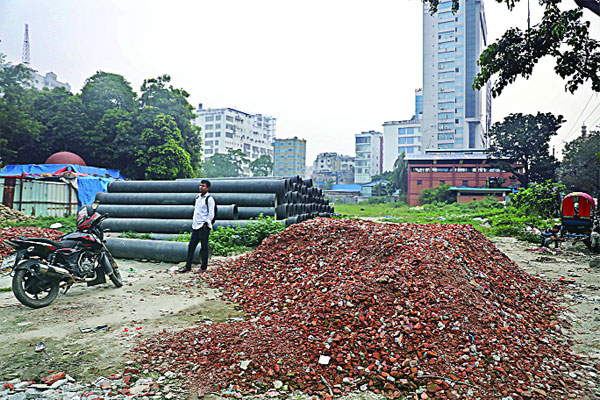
(326, 69)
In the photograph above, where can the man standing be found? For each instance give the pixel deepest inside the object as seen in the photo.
(204, 213)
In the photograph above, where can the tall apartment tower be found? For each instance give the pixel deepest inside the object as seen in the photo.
(289, 157)
(228, 128)
(454, 115)
(369, 156)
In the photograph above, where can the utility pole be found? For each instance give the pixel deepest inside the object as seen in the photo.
(25, 58)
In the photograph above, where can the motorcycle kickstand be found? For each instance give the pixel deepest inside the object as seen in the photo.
(67, 287)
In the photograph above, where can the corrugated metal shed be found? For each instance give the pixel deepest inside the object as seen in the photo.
(39, 197)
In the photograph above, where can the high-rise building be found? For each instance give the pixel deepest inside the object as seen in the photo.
(403, 136)
(454, 116)
(369, 156)
(227, 128)
(289, 157)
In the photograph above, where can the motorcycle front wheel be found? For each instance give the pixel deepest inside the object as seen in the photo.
(33, 291)
(115, 275)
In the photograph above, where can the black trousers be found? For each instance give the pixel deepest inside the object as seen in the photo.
(198, 235)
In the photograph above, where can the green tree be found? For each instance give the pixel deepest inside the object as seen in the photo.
(162, 156)
(105, 91)
(562, 34)
(19, 131)
(230, 164)
(579, 170)
(328, 185)
(65, 124)
(399, 176)
(438, 194)
(541, 199)
(524, 140)
(157, 93)
(262, 166)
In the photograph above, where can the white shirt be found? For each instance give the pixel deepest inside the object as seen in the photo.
(202, 213)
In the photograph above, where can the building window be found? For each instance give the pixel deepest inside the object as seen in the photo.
(217, 117)
(229, 118)
(208, 127)
(209, 134)
(446, 36)
(465, 183)
(446, 75)
(229, 134)
(363, 140)
(446, 55)
(217, 126)
(419, 182)
(217, 134)
(209, 118)
(442, 182)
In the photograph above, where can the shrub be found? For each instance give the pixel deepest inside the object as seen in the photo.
(68, 223)
(541, 199)
(438, 194)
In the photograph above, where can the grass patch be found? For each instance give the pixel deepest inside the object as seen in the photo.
(68, 223)
(6, 289)
(488, 216)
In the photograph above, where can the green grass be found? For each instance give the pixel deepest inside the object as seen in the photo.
(68, 223)
(488, 216)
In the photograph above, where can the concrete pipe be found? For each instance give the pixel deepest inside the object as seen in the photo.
(164, 211)
(281, 211)
(158, 250)
(291, 220)
(141, 225)
(308, 182)
(254, 212)
(240, 199)
(277, 186)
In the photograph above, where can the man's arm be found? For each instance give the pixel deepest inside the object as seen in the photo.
(211, 208)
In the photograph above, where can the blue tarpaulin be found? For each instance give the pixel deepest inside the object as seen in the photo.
(90, 180)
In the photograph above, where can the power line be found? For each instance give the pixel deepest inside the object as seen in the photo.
(580, 114)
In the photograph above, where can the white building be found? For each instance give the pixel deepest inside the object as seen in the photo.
(453, 116)
(47, 81)
(400, 137)
(369, 156)
(403, 136)
(227, 128)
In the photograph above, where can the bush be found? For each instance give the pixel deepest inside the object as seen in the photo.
(541, 199)
(225, 241)
(438, 194)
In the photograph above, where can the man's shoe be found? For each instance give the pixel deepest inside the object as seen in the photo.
(183, 270)
(202, 271)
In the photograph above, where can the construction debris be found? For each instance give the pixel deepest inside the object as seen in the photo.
(335, 306)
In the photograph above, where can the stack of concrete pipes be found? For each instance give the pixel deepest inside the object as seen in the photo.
(164, 209)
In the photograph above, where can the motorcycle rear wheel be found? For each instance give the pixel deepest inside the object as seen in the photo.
(22, 281)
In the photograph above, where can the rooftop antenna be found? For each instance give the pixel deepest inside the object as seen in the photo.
(25, 59)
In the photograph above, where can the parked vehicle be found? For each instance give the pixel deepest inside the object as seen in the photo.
(42, 266)
(578, 212)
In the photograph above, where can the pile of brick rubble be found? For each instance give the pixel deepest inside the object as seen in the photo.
(336, 306)
(28, 232)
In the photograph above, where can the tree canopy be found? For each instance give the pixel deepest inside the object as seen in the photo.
(579, 170)
(230, 164)
(524, 140)
(262, 166)
(562, 33)
(108, 125)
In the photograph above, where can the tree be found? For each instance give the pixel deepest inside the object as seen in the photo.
(19, 130)
(399, 176)
(579, 170)
(262, 166)
(524, 140)
(105, 91)
(162, 156)
(157, 93)
(561, 34)
(225, 165)
(65, 124)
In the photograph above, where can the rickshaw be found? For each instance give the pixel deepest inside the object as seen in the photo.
(577, 213)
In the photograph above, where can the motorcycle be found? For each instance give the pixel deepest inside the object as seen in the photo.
(40, 267)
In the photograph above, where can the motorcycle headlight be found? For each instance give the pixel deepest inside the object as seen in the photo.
(30, 249)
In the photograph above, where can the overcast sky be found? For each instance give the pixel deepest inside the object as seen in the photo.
(326, 69)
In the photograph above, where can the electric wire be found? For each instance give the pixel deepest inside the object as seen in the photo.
(577, 120)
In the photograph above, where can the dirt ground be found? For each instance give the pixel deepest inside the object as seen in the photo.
(154, 299)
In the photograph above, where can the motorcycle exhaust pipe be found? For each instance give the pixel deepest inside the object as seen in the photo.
(52, 271)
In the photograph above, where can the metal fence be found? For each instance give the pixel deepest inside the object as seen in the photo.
(37, 197)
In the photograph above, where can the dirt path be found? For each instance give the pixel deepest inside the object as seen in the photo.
(151, 300)
(571, 268)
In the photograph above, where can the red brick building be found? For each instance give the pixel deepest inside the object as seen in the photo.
(468, 169)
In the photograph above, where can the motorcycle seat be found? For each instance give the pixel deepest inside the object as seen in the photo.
(58, 245)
